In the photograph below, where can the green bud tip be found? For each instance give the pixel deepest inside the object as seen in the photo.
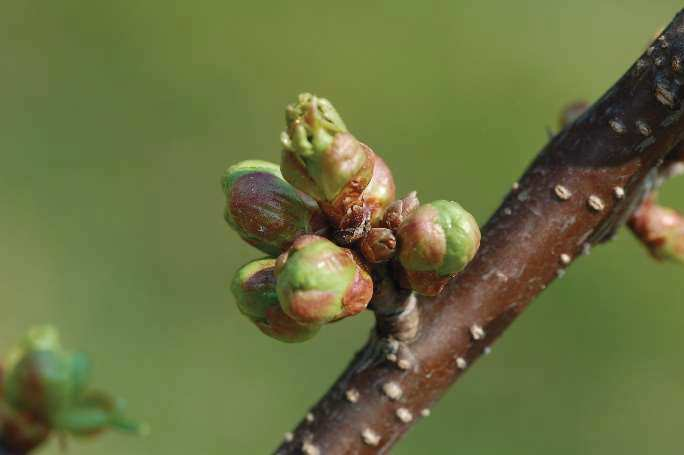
(319, 282)
(254, 289)
(265, 210)
(312, 122)
(322, 159)
(436, 242)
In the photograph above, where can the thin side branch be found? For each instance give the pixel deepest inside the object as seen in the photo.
(583, 185)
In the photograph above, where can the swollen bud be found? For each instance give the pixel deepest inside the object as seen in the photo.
(661, 229)
(379, 245)
(254, 288)
(436, 242)
(319, 282)
(322, 159)
(265, 210)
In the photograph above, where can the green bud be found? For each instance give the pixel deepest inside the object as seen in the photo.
(322, 159)
(254, 289)
(46, 384)
(41, 378)
(319, 282)
(436, 242)
(265, 210)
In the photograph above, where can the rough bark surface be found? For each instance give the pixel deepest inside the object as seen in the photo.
(577, 192)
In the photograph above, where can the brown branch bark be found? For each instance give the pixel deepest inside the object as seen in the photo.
(583, 185)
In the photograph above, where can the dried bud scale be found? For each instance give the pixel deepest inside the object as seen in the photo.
(265, 210)
(320, 282)
(254, 289)
(379, 245)
(399, 210)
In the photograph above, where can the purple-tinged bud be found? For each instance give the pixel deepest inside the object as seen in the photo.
(399, 210)
(436, 242)
(320, 282)
(265, 210)
(572, 112)
(254, 288)
(661, 229)
(379, 245)
(322, 159)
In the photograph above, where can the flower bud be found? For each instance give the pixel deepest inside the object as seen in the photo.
(572, 112)
(379, 245)
(319, 282)
(322, 159)
(44, 386)
(41, 378)
(436, 242)
(254, 288)
(265, 210)
(399, 210)
(661, 229)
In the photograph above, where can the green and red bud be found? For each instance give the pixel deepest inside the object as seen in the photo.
(661, 229)
(436, 242)
(320, 282)
(399, 210)
(322, 159)
(265, 210)
(379, 245)
(254, 289)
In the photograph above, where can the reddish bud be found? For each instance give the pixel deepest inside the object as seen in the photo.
(661, 229)
(379, 245)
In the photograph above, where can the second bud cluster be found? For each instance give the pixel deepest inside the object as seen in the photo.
(328, 219)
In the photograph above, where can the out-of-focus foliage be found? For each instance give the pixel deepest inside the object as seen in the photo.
(119, 118)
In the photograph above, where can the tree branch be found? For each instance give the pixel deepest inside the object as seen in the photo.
(583, 185)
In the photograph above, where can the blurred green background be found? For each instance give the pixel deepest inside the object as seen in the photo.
(118, 118)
